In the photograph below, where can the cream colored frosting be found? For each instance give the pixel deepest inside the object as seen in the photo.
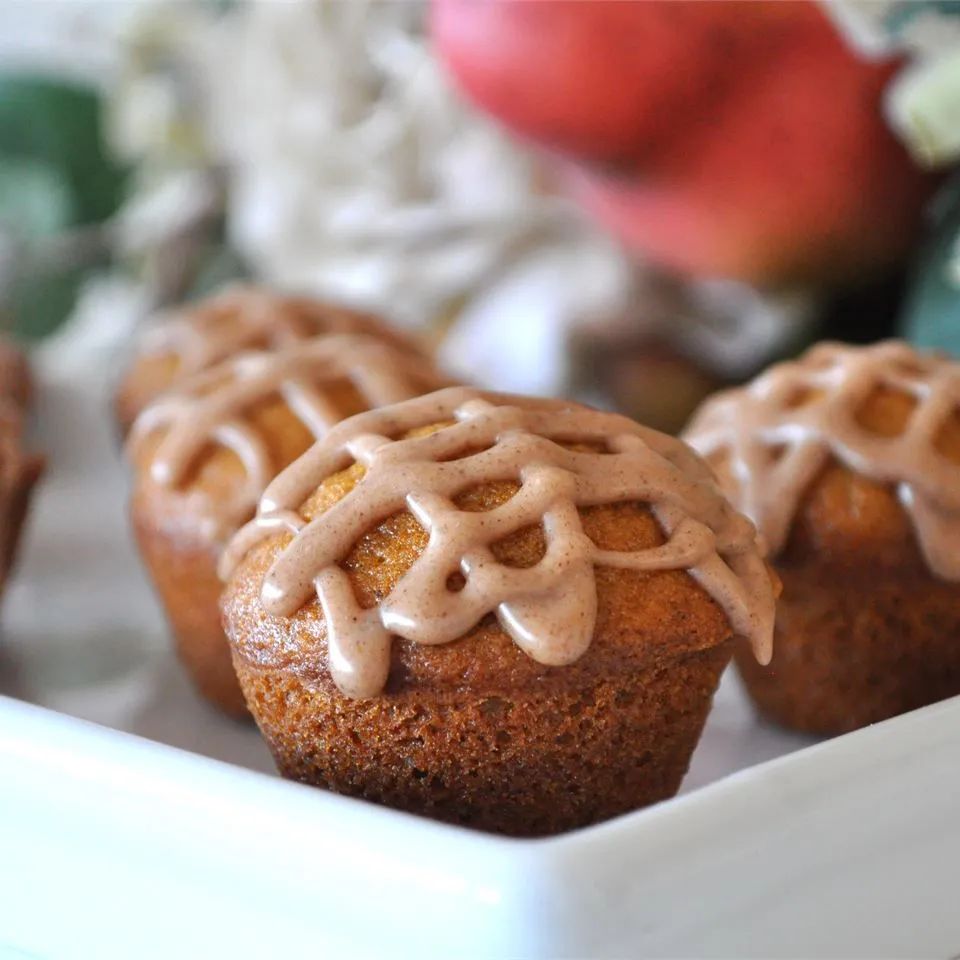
(774, 436)
(244, 317)
(209, 407)
(549, 609)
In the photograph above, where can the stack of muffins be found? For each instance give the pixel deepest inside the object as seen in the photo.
(505, 612)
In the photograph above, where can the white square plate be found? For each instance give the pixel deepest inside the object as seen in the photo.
(116, 844)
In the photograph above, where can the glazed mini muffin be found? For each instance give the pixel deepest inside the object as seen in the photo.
(849, 462)
(203, 453)
(502, 612)
(240, 318)
(19, 470)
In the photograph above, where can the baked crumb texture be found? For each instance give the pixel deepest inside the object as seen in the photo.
(476, 731)
(203, 452)
(865, 628)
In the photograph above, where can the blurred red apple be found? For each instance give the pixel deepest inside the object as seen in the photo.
(741, 139)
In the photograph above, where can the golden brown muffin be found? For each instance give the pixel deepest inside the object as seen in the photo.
(849, 462)
(239, 318)
(502, 612)
(19, 470)
(203, 453)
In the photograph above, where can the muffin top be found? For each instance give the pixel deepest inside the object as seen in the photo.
(221, 435)
(885, 412)
(421, 456)
(239, 318)
(243, 317)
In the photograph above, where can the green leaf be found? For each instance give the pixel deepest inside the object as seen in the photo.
(218, 265)
(58, 124)
(931, 317)
(902, 14)
(34, 199)
(55, 173)
(38, 305)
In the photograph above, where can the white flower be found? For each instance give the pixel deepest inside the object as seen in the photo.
(357, 173)
(923, 106)
(164, 210)
(922, 102)
(354, 172)
(153, 115)
(108, 310)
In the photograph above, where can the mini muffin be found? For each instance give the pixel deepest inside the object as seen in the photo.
(240, 318)
(848, 460)
(19, 470)
(502, 612)
(204, 452)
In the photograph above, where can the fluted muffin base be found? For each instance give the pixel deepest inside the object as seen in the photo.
(184, 574)
(856, 646)
(530, 762)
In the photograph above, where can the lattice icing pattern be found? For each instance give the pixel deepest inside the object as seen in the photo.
(549, 609)
(209, 408)
(773, 437)
(243, 317)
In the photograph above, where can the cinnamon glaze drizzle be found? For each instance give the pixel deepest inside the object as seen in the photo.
(772, 438)
(549, 609)
(242, 317)
(208, 407)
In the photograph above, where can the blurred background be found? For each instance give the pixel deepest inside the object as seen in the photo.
(630, 202)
